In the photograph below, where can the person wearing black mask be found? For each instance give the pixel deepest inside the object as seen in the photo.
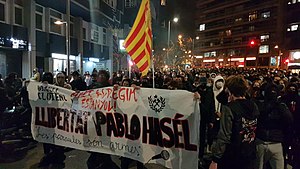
(53, 154)
(273, 127)
(292, 100)
(207, 110)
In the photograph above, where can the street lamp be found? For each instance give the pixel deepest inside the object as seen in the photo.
(67, 22)
(67, 44)
(169, 34)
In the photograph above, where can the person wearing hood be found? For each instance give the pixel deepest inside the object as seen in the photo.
(207, 110)
(234, 146)
(292, 100)
(273, 128)
(218, 86)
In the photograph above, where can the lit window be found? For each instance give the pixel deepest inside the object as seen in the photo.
(202, 27)
(294, 27)
(264, 38)
(213, 54)
(206, 54)
(294, 1)
(228, 32)
(238, 19)
(266, 14)
(264, 49)
(252, 16)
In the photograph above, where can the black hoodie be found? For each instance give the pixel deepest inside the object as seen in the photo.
(228, 146)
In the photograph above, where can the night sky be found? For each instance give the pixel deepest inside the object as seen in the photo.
(184, 10)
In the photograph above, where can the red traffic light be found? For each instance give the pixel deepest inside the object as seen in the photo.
(287, 61)
(252, 42)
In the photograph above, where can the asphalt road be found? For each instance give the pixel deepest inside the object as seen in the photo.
(75, 159)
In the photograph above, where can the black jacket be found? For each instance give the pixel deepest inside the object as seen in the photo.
(275, 122)
(227, 149)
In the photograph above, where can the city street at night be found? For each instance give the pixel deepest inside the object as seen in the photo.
(150, 84)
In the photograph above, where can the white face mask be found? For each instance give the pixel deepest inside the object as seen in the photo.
(219, 85)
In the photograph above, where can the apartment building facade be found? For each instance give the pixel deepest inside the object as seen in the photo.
(29, 37)
(244, 33)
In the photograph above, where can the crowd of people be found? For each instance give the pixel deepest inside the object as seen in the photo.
(249, 117)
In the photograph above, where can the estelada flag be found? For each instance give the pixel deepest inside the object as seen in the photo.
(138, 43)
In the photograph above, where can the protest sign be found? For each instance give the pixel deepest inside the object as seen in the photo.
(136, 124)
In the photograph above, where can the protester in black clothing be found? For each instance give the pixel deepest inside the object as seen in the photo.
(5, 101)
(101, 80)
(234, 147)
(207, 110)
(292, 100)
(78, 83)
(273, 129)
(53, 154)
(100, 160)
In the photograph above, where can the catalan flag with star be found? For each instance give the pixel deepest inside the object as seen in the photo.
(138, 43)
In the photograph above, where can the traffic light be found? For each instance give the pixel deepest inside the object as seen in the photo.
(252, 43)
(286, 61)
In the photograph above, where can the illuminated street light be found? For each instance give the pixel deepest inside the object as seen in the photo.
(175, 19)
(164, 49)
(169, 34)
(179, 36)
(197, 37)
(59, 22)
(276, 47)
(67, 43)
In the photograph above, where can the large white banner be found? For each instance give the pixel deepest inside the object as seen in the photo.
(134, 123)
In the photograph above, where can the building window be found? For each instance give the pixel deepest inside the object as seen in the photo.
(252, 16)
(18, 15)
(202, 27)
(294, 27)
(104, 36)
(39, 17)
(130, 3)
(264, 38)
(251, 28)
(55, 16)
(238, 19)
(2, 11)
(265, 15)
(228, 32)
(210, 54)
(84, 34)
(72, 26)
(264, 49)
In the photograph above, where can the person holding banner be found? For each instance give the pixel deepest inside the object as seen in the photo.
(53, 154)
(101, 160)
(61, 81)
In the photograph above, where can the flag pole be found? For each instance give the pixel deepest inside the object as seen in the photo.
(153, 71)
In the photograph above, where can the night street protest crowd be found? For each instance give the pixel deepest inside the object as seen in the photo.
(250, 118)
